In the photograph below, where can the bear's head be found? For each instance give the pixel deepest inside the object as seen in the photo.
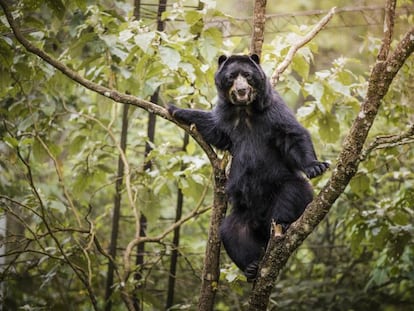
(240, 80)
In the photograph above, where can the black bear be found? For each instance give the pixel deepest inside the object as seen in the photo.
(270, 151)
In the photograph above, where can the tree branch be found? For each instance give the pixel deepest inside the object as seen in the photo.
(259, 21)
(79, 272)
(389, 141)
(388, 29)
(303, 41)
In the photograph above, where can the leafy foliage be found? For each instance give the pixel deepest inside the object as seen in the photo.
(59, 156)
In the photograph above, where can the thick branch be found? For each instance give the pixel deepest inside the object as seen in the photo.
(280, 249)
(303, 41)
(388, 29)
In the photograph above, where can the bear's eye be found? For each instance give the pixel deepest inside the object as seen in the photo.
(232, 76)
(248, 76)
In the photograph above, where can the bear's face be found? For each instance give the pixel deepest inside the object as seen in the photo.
(239, 79)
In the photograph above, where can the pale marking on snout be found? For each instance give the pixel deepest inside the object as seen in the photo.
(241, 92)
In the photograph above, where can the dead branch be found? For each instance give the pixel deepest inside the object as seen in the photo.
(302, 42)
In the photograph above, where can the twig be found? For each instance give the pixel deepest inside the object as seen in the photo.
(382, 142)
(303, 41)
(124, 159)
(80, 273)
(59, 173)
(139, 239)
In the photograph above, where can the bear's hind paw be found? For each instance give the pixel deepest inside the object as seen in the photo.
(251, 271)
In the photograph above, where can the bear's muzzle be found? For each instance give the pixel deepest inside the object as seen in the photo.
(241, 92)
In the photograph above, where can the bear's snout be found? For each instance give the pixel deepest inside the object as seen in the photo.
(241, 92)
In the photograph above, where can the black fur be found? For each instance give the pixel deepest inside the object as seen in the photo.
(270, 150)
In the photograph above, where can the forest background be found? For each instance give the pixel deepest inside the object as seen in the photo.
(104, 205)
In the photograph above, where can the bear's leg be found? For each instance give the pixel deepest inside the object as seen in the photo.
(242, 244)
(291, 201)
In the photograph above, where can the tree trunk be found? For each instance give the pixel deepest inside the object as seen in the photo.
(259, 21)
(140, 260)
(116, 212)
(176, 241)
(211, 271)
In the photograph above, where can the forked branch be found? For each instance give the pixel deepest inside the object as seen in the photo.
(300, 43)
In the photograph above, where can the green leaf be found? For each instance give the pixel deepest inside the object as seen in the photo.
(360, 184)
(11, 141)
(210, 44)
(191, 147)
(57, 6)
(400, 217)
(58, 206)
(144, 40)
(378, 276)
(305, 112)
(125, 35)
(28, 122)
(192, 17)
(340, 88)
(293, 84)
(316, 90)
(301, 66)
(170, 57)
(119, 53)
(329, 128)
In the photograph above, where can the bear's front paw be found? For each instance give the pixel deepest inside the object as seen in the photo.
(172, 109)
(177, 113)
(317, 168)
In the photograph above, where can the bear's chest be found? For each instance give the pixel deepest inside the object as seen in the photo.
(250, 131)
(252, 144)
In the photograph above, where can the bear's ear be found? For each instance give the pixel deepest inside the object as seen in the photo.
(222, 59)
(255, 58)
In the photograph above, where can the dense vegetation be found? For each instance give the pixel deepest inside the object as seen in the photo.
(62, 147)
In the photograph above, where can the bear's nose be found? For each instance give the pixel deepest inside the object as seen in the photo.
(242, 91)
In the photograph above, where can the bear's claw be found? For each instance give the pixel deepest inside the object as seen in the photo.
(316, 169)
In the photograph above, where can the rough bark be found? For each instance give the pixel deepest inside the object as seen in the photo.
(211, 269)
(259, 21)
